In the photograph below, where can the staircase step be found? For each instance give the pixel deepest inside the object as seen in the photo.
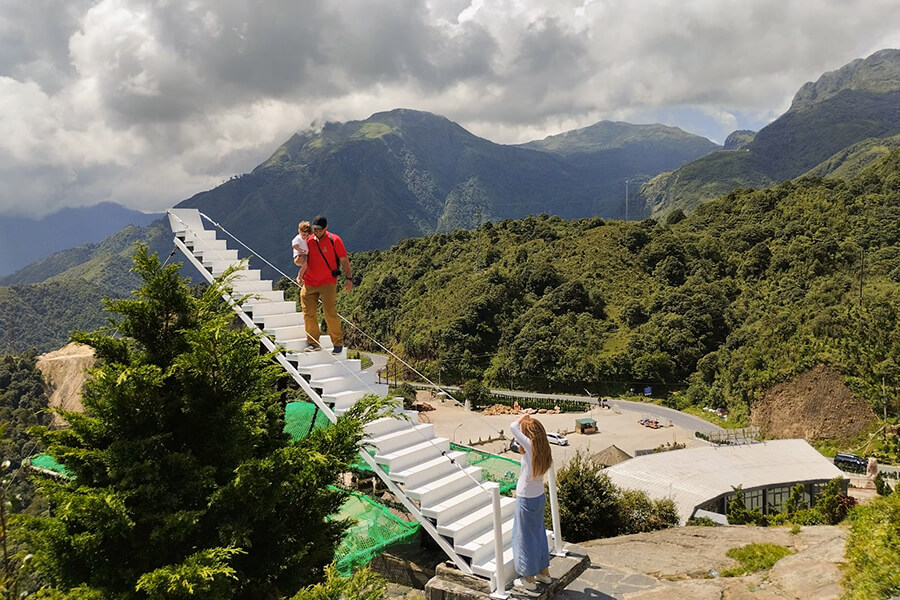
(261, 309)
(198, 237)
(301, 358)
(384, 426)
(246, 286)
(348, 398)
(330, 385)
(250, 274)
(438, 494)
(488, 567)
(331, 368)
(210, 246)
(478, 521)
(481, 547)
(182, 219)
(465, 501)
(421, 474)
(291, 332)
(407, 457)
(263, 297)
(281, 320)
(212, 256)
(401, 439)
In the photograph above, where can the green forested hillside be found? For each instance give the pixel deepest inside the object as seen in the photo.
(750, 289)
(857, 103)
(69, 289)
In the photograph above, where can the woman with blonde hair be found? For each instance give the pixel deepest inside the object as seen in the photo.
(531, 554)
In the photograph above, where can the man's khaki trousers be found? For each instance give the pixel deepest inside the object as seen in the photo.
(309, 300)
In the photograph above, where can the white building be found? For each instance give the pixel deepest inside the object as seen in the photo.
(704, 478)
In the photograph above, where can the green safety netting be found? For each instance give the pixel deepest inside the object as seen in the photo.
(500, 469)
(300, 418)
(375, 528)
(46, 463)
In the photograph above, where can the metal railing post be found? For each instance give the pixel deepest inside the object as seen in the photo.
(558, 549)
(499, 590)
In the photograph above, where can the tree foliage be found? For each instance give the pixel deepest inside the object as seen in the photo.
(23, 405)
(873, 550)
(749, 290)
(186, 484)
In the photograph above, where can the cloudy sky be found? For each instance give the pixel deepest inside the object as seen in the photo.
(148, 102)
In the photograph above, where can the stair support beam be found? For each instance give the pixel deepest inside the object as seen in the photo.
(558, 549)
(499, 581)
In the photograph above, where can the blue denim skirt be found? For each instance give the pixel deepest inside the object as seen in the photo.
(530, 551)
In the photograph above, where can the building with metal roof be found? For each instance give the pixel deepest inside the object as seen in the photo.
(704, 478)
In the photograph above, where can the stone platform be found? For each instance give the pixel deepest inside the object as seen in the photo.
(449, 583)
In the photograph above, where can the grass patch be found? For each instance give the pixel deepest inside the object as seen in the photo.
(754, 558)
(374, 130)
(712, 418)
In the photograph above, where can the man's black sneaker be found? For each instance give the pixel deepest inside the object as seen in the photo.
(337, 349)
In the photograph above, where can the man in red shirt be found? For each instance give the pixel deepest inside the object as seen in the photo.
(323, 265)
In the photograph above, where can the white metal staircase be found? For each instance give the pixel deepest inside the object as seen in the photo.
(449, 498)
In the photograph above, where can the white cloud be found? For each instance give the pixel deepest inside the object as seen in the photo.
(149, 103)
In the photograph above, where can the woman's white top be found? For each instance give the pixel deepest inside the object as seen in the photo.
(527, 487)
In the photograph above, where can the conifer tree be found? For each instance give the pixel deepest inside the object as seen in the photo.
(185, 484)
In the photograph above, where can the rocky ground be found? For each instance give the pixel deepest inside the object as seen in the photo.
(684, 562)
(65, 372)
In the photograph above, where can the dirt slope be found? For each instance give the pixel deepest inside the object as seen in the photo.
(64, 371)
(815, 405)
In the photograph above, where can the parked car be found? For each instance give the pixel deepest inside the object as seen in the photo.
(850, 462)
(557, 438)
(553, 438)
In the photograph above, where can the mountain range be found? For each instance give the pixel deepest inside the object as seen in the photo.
(839, 124)
(406, 173)
(24, 240)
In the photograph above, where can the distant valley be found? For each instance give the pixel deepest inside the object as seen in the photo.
(24, 240)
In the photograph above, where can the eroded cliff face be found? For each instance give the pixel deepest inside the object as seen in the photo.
(815, 405)
(65, 371)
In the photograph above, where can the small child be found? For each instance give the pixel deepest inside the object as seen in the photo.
(304, 230)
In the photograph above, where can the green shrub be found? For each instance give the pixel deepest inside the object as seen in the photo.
(588, 500)
(488, 399)
(873, 550)
(701, 522)
(833, 505)
(407, 392)
(737, 511)
(591, 506)
(638, 513)
(475, 393)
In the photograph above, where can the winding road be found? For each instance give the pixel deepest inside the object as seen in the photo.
(689, 422)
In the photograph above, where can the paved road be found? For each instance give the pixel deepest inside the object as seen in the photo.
(686, 421)
(689, 422)
(379, 361)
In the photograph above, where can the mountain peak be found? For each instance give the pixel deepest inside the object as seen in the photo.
(878, 73)
(605, 135)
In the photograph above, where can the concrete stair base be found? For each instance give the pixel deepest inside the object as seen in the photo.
(449, 583)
